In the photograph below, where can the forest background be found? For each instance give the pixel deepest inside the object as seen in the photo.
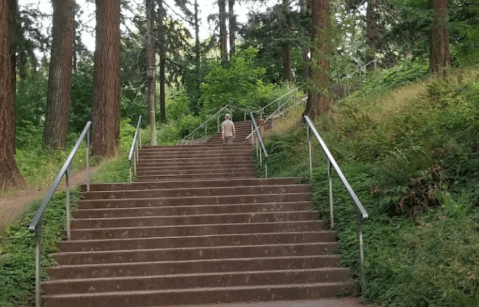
(338, 49)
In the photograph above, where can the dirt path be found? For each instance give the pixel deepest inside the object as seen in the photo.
(16, 201)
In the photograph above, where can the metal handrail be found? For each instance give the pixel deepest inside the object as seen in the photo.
(135, 146)
(277, 111)
(205, 123)
(260, 110)
(361, 213)
(259, 141)
(36, 223)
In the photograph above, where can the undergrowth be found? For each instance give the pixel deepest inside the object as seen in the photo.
(17, 244)
(412, 156)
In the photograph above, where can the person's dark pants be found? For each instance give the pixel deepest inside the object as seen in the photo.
(228, 139)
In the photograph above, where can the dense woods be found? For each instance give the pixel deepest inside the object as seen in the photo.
(392, 84)
(319, 43)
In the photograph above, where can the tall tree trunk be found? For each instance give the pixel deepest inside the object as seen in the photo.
(60, 75)
(106, 81)
(287, 47)
(372, 31)
(304, 9)
(162, 61)
(318, 98)
(232, 23)
(439, 54)
(150, 55)
(9, 174)
(197, 34)
(223, 34)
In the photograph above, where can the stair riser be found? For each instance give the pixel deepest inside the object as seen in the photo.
(194, 176)
(189, 184)
(205, 241)
(204, 296)
(225, 171)
(193, 220)
(246, 150)
(195, 281)
(192, 201)
(196, 253)
(211, 156)
(198, 230)
(198, 192)
(197, 210)
(193, 267)
(216, 166)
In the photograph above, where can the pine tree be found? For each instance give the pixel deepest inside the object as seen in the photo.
(439, 53)
(287, 46)
(9, 174)
(60, 75)
(106, 84)
(223, 34)
(318, 98)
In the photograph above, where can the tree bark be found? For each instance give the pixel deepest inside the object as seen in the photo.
(372, 32)
(287, 47)
(150, 55)
(223, 34)
(439, 53)
(60, 75)
(197, 34)
(106, 83)
(318, 99)
(9, 174)
(232, 23)
(304, 9)
(162, 62)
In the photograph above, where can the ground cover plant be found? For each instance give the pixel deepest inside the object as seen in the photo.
(411, 155)
(17, 244)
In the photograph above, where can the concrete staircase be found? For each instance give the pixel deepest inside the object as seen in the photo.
(197, 228)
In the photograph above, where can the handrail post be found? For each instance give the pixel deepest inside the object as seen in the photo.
(130, 171)
(330, 189)
(134, 164)
(206, 131)
(218, 122)
(88, 160)
(260, 157)
(244, 116)
(38, 235)
(266, 169)
(67, 177)
(310, 155)
(137, 153)
(361, 253)
(139, 135)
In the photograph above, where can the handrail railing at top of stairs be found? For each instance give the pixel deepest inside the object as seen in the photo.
(205, 124)
(361, 213)
(134, 150)
(257, 141)
(280, 110)
(36, 223)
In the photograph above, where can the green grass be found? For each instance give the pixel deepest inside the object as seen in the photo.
(412, 156)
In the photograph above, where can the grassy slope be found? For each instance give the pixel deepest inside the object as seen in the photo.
(411, 154)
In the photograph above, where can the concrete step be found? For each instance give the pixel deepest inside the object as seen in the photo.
(198, 171)
(160, 159)
(192, 230)
(192, 201)
(191, 184)
(196, 253)
(199, 296)
(190, 210)
(191, 267)
(196, 241)
(227, 218)
(191, 281)
(204, 191)
(195, 176)
(217, 166)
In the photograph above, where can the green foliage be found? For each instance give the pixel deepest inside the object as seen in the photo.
(412, 157)
(239, 85)
(17, 250)
(81, 96)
